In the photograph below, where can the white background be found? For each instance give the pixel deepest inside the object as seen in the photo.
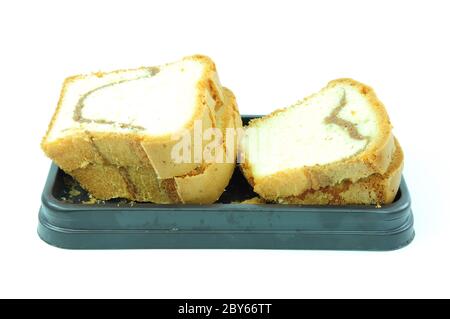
(270, 54)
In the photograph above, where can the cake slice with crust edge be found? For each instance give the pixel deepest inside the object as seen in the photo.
(203, 185)
(129, 117)
(341, 133)
(376, 189)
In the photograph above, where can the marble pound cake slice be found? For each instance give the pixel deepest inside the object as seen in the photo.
(129, 117)
(203, 185)
(341, 133)
(376, 189)
(114, 132)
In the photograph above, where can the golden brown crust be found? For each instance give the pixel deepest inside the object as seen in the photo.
(374, 159)
(71, 153)
(206, 188)
(102, 181)
(374, 189)
(135, 183)
(119, 150)
(147, 186)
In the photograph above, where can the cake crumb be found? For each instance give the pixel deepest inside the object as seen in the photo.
(92, 200)
(74, 192)
(253, 200)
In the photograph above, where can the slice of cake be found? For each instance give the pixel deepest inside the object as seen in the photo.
(340, 133)
(203, 185)
(129, 117)
(376, 189)
(114, 132)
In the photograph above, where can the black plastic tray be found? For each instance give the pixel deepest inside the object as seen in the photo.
(66, 222)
